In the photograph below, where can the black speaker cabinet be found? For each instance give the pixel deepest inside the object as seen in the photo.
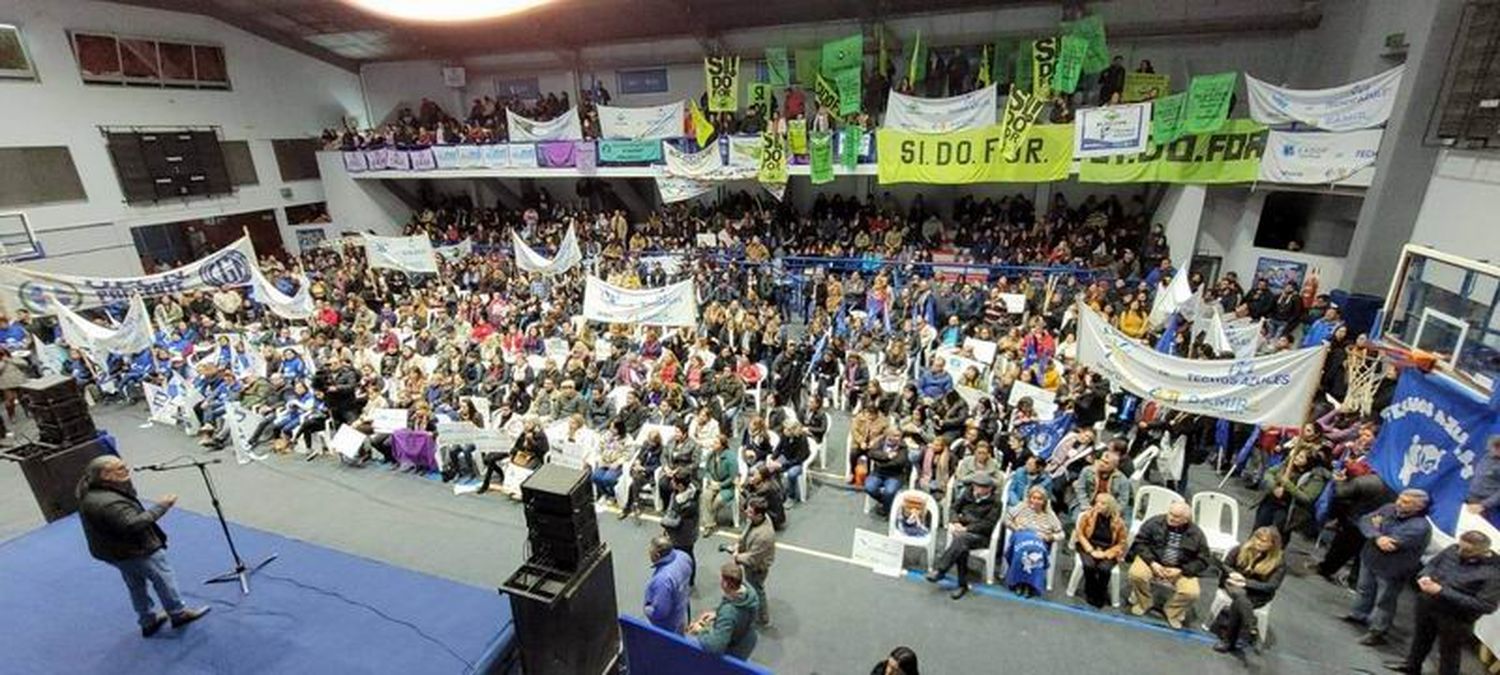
(567, 623)
(57, 406)
(562, 527)
(53, 473)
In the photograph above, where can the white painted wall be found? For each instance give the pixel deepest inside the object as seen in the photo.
(1230, 218)
(1180, 213)
(357, 205)
(1458, 214)
(277, 93)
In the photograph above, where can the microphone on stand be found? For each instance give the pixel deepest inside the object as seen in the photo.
(167, 466)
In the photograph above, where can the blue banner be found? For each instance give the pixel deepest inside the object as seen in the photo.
(1432, 435)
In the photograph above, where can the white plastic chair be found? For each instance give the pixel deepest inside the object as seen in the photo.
(760, 382)
(1262, 615)
(1150, 500)
(990, 556)
(1172, 459)
(814, 452)
(1209, 509)
(1075, 579)
(1143, 463)
(930, 516)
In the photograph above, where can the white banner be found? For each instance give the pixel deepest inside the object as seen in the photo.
(1358, 105)
(675, 190)
(568, 255)
(408, 254)
(1178, 296)
(1275, 390)
(132, 336)
(674, 305)
(744, 152)
(941, 115)
(495, 156)
(565, 127)
(20, 288)
(162, 407)
(1240, 337)
(1112, 130)
(296, 307)
(704, 165)
(457, 251)
(662, 121)
(1321, 157)
(522, 155)
(445, 156)
(242, 424)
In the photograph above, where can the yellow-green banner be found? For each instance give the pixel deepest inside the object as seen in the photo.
(722, 77)
(1229, 155)
(1043, 66)
(974, 156)
(772, 158)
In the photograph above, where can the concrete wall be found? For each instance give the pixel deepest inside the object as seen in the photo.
(1230, 219)
(277, 93)
(1458, 214)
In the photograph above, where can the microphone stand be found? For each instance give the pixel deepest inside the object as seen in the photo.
(241, 571)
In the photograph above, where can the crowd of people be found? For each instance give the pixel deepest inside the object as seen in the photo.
(719, 424)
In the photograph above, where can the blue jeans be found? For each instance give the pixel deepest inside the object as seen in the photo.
(605, 481)
(882, 489)
(1377, 599)
(793, 475)
(153, 569)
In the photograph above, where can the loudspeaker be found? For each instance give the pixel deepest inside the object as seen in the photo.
(53, 473)
(57, 406)
(562, 527)
(566, 623)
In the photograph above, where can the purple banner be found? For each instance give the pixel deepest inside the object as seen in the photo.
(354, 162)
(555, 154)
(399, 160)
(423, 160)
(586, 155)
(375, 159)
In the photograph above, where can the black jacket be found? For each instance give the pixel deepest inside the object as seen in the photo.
(1471, 589)
(118, 527)
(978, 516)
(1151, 542)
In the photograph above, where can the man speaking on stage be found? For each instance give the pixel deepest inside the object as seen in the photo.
(123, 533)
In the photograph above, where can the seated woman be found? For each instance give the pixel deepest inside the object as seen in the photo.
(1100, 542)
(936, 468)
(605, 472)
(720, 469)
(755, 443)
(1251, 573)
(981, 460)
(1033, 528)
(643, 470)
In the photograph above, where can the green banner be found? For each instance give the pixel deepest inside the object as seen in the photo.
(778, 70)
(1230, 155)
(974, 156)
(827, 95)
(807, 66)
(841, 55)
(850, 96)
(772, 158)
(1091, 29)
(1021, 111)
(796, 135)
(821, 155)
(1069, 64)
(760, 95)
(1208, 102)
(1166, 118)
(1145, 87)
(722, 74)
(612, 151)
(1043, 65)
(916, 62)
(1022, 79)
(850, 138)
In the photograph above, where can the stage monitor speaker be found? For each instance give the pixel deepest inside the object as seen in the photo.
(567, 623)
(57, 406)
(562, 527)
(53, 473)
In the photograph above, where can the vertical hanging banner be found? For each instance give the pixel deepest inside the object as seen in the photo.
(850, 138)
(796, 136)
(827, 94)
(1069, 63)
(722, 75)
(760, 98)
(1145, 87)
(821, 151)
(1021, 110)
(1091, 30)
(916, 62)
(850, 96)
(843, 54)
(808, 66)
(772, 158)
(1043, 66)
(1357, 105)
(1166, 118)
(778, 70)
(1112, 130)
(1022, 79)
(1208, 102)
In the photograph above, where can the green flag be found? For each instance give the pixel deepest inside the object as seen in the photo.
(772, 158)
(841, 55)
(1166, 118)
(722, 75)
(778, 71)
(807, 66)
(1208, 102)
(821, 155)
(848, 82)
(796, 135)
(883, 62)
(849, 140)
(985, 62)
(916, 62)
(1069, 64)
(1022, 79)
(760, 95)
(827, 94)
(1091, 29)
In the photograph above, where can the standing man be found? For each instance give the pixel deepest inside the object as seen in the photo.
(1459, 585)
(667, 591)
(1484, 489)
(974, 516)
(730, 629)
(1397, 535)
(123, 533)
(756, 552)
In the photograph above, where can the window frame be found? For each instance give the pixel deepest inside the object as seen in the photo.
(159, 80)
(29, 74)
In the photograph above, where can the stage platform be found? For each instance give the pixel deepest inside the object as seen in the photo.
(313, 610)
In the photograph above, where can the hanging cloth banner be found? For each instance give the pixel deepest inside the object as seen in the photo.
(1043, 66)
(556, 154)
(916, 62)
(722, 75)
(132, 336)
(662, 121)
(1091, 30)
(851, 138)
(1166, 118)
(974, 156)
(1145, 87)
(744, 151)
(1021, 111)
(702, 128)
(808, 66)
(408, 254)
(423, 160)
(354, 162)
(827, 94)
(1112, 130)
(706, 164)
(34, 291)
(457, 251)
(796, 136)
(973, 110)
(760, 98)
(1240, 337)
(1208, 102)
(295, 307)
(675, 190)
(674, 305)
(778, 69)
(446, 156)
(772, 158)
(1274, 390)
(586, 155)
(842, 55)
(566, 127)
(568, 255)
(1358, 105)
(821, 152)
(522, 155)
(375, 159)
(629, 152)
(1069, 63)
(1431, 437)
(1230, 155)
(850, 95)
(397, 160)
(1176, 298)
(496, 156)
(1321, 157)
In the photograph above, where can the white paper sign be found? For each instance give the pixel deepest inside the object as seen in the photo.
(388, 420)
(1043, 402)
(1112, 130)
(882, 554)
(347, 442)
(1015, 303)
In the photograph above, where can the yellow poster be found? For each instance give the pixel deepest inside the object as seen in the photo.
(1045, 153)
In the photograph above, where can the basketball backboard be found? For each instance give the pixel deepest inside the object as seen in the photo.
(1446, 304)
(17, 241)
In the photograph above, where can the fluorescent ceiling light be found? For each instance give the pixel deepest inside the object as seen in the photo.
(439, 11)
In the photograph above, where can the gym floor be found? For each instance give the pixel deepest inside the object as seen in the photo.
(830, 615)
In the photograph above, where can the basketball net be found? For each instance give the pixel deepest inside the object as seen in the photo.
(1365, 368)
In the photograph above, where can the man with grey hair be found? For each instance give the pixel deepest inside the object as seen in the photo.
(1396, 535)
(1457, 587)
(122, 532)
(667, 590)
